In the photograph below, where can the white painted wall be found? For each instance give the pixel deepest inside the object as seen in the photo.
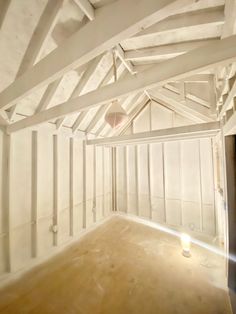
(174, 184)
(54, 179)
(170, 183)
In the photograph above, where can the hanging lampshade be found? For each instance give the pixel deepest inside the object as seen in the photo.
(115, 115)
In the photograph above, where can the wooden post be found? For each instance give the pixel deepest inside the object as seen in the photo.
(103, 182)
(7, 156)
(84, 186)
(164, 183)
(71, 186)
(113, 155)
(34, 195)
(94, 185)
(55, 190)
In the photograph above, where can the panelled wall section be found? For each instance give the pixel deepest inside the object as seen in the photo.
(52, 188)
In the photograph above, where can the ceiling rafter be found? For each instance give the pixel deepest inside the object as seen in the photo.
(226, 101)
(199, 22)
(87, 8)
(48, 95)
(165, 51)
(214, 16)
(38, 40)
(178, 110)
(195, 61)
(121, 54)
(194, 98)
(4, 5)
(124, 24)
(198, 112)
(81, 86)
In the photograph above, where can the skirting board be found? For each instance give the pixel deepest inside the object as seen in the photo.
(8, 278)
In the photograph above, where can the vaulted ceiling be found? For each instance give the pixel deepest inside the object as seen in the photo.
(57, 54)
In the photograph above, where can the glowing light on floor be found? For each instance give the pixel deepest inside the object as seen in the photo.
(175, 233)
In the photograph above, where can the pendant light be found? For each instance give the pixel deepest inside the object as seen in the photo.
(115, 115)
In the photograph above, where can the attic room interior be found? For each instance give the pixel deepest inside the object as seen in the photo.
(117, 156)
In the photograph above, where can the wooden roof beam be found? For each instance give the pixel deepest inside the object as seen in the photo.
(198, 18)
(112, 28)
(160, 52)
(197, 114)
(87, 8)
(170, 134)
(38, 41)
(195, 61)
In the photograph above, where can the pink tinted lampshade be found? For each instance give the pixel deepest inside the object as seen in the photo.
(115, 115)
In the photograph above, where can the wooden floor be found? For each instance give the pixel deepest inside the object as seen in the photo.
(122, 268)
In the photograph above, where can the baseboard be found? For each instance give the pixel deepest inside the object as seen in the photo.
(10, 277)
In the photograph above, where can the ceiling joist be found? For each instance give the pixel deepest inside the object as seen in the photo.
(170, 134)
(165, 51)
(38, 41)
(195, 61)
(87, 8)
(124, 25)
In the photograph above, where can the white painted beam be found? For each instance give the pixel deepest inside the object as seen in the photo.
(34, 195)
(160, 52)
(4, 5)
(55, 219)
(189, 131)
(204, 18)
(121, 54)
(39, 39)
(87, 8)
(230, 18)
(6, 200)
(77, 122)
(230, 125)
(3, 121)
(80, 87)
(229, 99)
(191, 97)
(179, 110)
(197, 78)
(71, 184)
(195, 61)
(41, 34)
(85, 45)
(198, 112)
(48, 95)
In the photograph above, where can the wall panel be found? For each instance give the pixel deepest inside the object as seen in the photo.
(78, 185)
(132, 197)
(157, 182)
(173, 183)
(44, 192)
(121, 182)
(107, 181)
(143, 181)
(191, 185)
(52, 188)
(89, 184)
(170, 183)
